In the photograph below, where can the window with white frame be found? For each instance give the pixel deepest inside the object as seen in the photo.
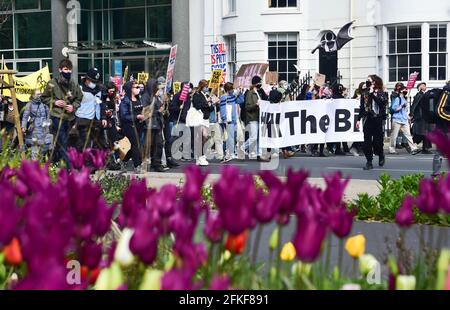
(283, 3)
(231, 7)
(405, 52)
(232, 59)
(438, 52)
(283, 54)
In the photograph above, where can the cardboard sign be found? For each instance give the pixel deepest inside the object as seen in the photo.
(143, 77)
(219, 59)
(247, 72)
(319, 79)
(412, 80)
(272, 78)
(147, 112)
(216, 79)
(124, 147)
(176, 87)
(171, 68)
(185, 92)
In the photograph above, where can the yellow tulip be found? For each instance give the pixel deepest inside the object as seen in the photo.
(356, 246)
(288, 252)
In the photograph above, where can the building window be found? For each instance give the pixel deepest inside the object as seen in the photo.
(283, 3)
(283, 51)
(405, 52)
(232, 57)
(438, 52)
(231, 7)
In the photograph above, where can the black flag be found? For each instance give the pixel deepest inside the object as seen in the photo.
(329, 42)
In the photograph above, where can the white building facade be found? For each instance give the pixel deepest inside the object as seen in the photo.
(391, 38)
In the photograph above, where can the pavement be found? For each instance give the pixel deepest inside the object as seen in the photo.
(351, 166)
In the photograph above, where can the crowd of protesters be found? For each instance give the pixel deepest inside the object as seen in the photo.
(93, 115)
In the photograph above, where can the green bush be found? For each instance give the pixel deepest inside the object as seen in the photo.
(392, 193)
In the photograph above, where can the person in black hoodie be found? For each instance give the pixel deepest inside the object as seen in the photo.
(132, 121)
(373, 113)
(201, 101)
(177, 115)
(152, 97)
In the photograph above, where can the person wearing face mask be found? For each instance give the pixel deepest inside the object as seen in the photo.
(420, 127)
(202, 101)
(372, 114)
(132, 122)
(36, 125)
(229, 111)
(252, 100)
(91, 116)
(63, 97)
(177, 119)
(400, 120)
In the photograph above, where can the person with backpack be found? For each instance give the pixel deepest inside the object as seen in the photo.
(400, 121)
(420, 126)
(36, 126)
(372, 114)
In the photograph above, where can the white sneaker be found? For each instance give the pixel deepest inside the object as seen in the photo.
(227, 159)
(354, 152)
(202, 161)
(252, 155)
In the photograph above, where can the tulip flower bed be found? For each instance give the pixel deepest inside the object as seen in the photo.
(172, 239)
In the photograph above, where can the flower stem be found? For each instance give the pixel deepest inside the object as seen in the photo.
(328, 257)
(257, 242)
(341, 254)
(280, 241)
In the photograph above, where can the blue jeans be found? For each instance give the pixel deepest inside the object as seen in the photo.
(62, 140)
(231, 142)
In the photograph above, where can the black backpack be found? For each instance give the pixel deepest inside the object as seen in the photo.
(429, 105)
(243, 111)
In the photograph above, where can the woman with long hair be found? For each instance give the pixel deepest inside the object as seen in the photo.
(202, 102)
(372, 114)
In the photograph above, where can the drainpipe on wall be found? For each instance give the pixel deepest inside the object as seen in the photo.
(351, 54)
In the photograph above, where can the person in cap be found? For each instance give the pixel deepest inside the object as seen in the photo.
(90, 116)
(252, 99)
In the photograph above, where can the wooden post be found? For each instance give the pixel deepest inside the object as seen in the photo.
(10, 86)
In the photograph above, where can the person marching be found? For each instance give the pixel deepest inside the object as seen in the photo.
(372, 113)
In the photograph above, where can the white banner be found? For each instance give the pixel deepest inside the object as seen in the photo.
(309, 122)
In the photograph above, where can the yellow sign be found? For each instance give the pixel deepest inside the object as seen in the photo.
(176, 87)
(216, 78)
(25, 86)
(143, 77)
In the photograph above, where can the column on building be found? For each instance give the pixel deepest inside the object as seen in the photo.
(59, 31)
(180, 36)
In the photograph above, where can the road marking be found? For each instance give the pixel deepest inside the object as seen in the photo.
(378, 169)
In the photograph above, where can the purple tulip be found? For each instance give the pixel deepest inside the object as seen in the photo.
(220, 283)
(193, 256)
(271, 180)
(428, 200)
(405, 215)
(10, 215)
(441, 140)
(213, 227)
(176, 280)
(144, 242)
(444, 197)
(341, 221)
(76, 158)
(90, 254)
(334, 192)
(98, 158)
(235, 197)
(308, 239)
(166, 200)
(134, 200)
(267, 206)
(194, 183)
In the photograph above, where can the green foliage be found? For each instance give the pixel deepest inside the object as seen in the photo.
(113, 187)
(392, 193)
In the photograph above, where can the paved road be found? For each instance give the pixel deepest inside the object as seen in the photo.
(396, 166)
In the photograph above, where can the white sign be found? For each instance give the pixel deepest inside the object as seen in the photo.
(171, 68)
(309, 122)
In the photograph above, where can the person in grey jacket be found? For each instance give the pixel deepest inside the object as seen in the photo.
(36, 126)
